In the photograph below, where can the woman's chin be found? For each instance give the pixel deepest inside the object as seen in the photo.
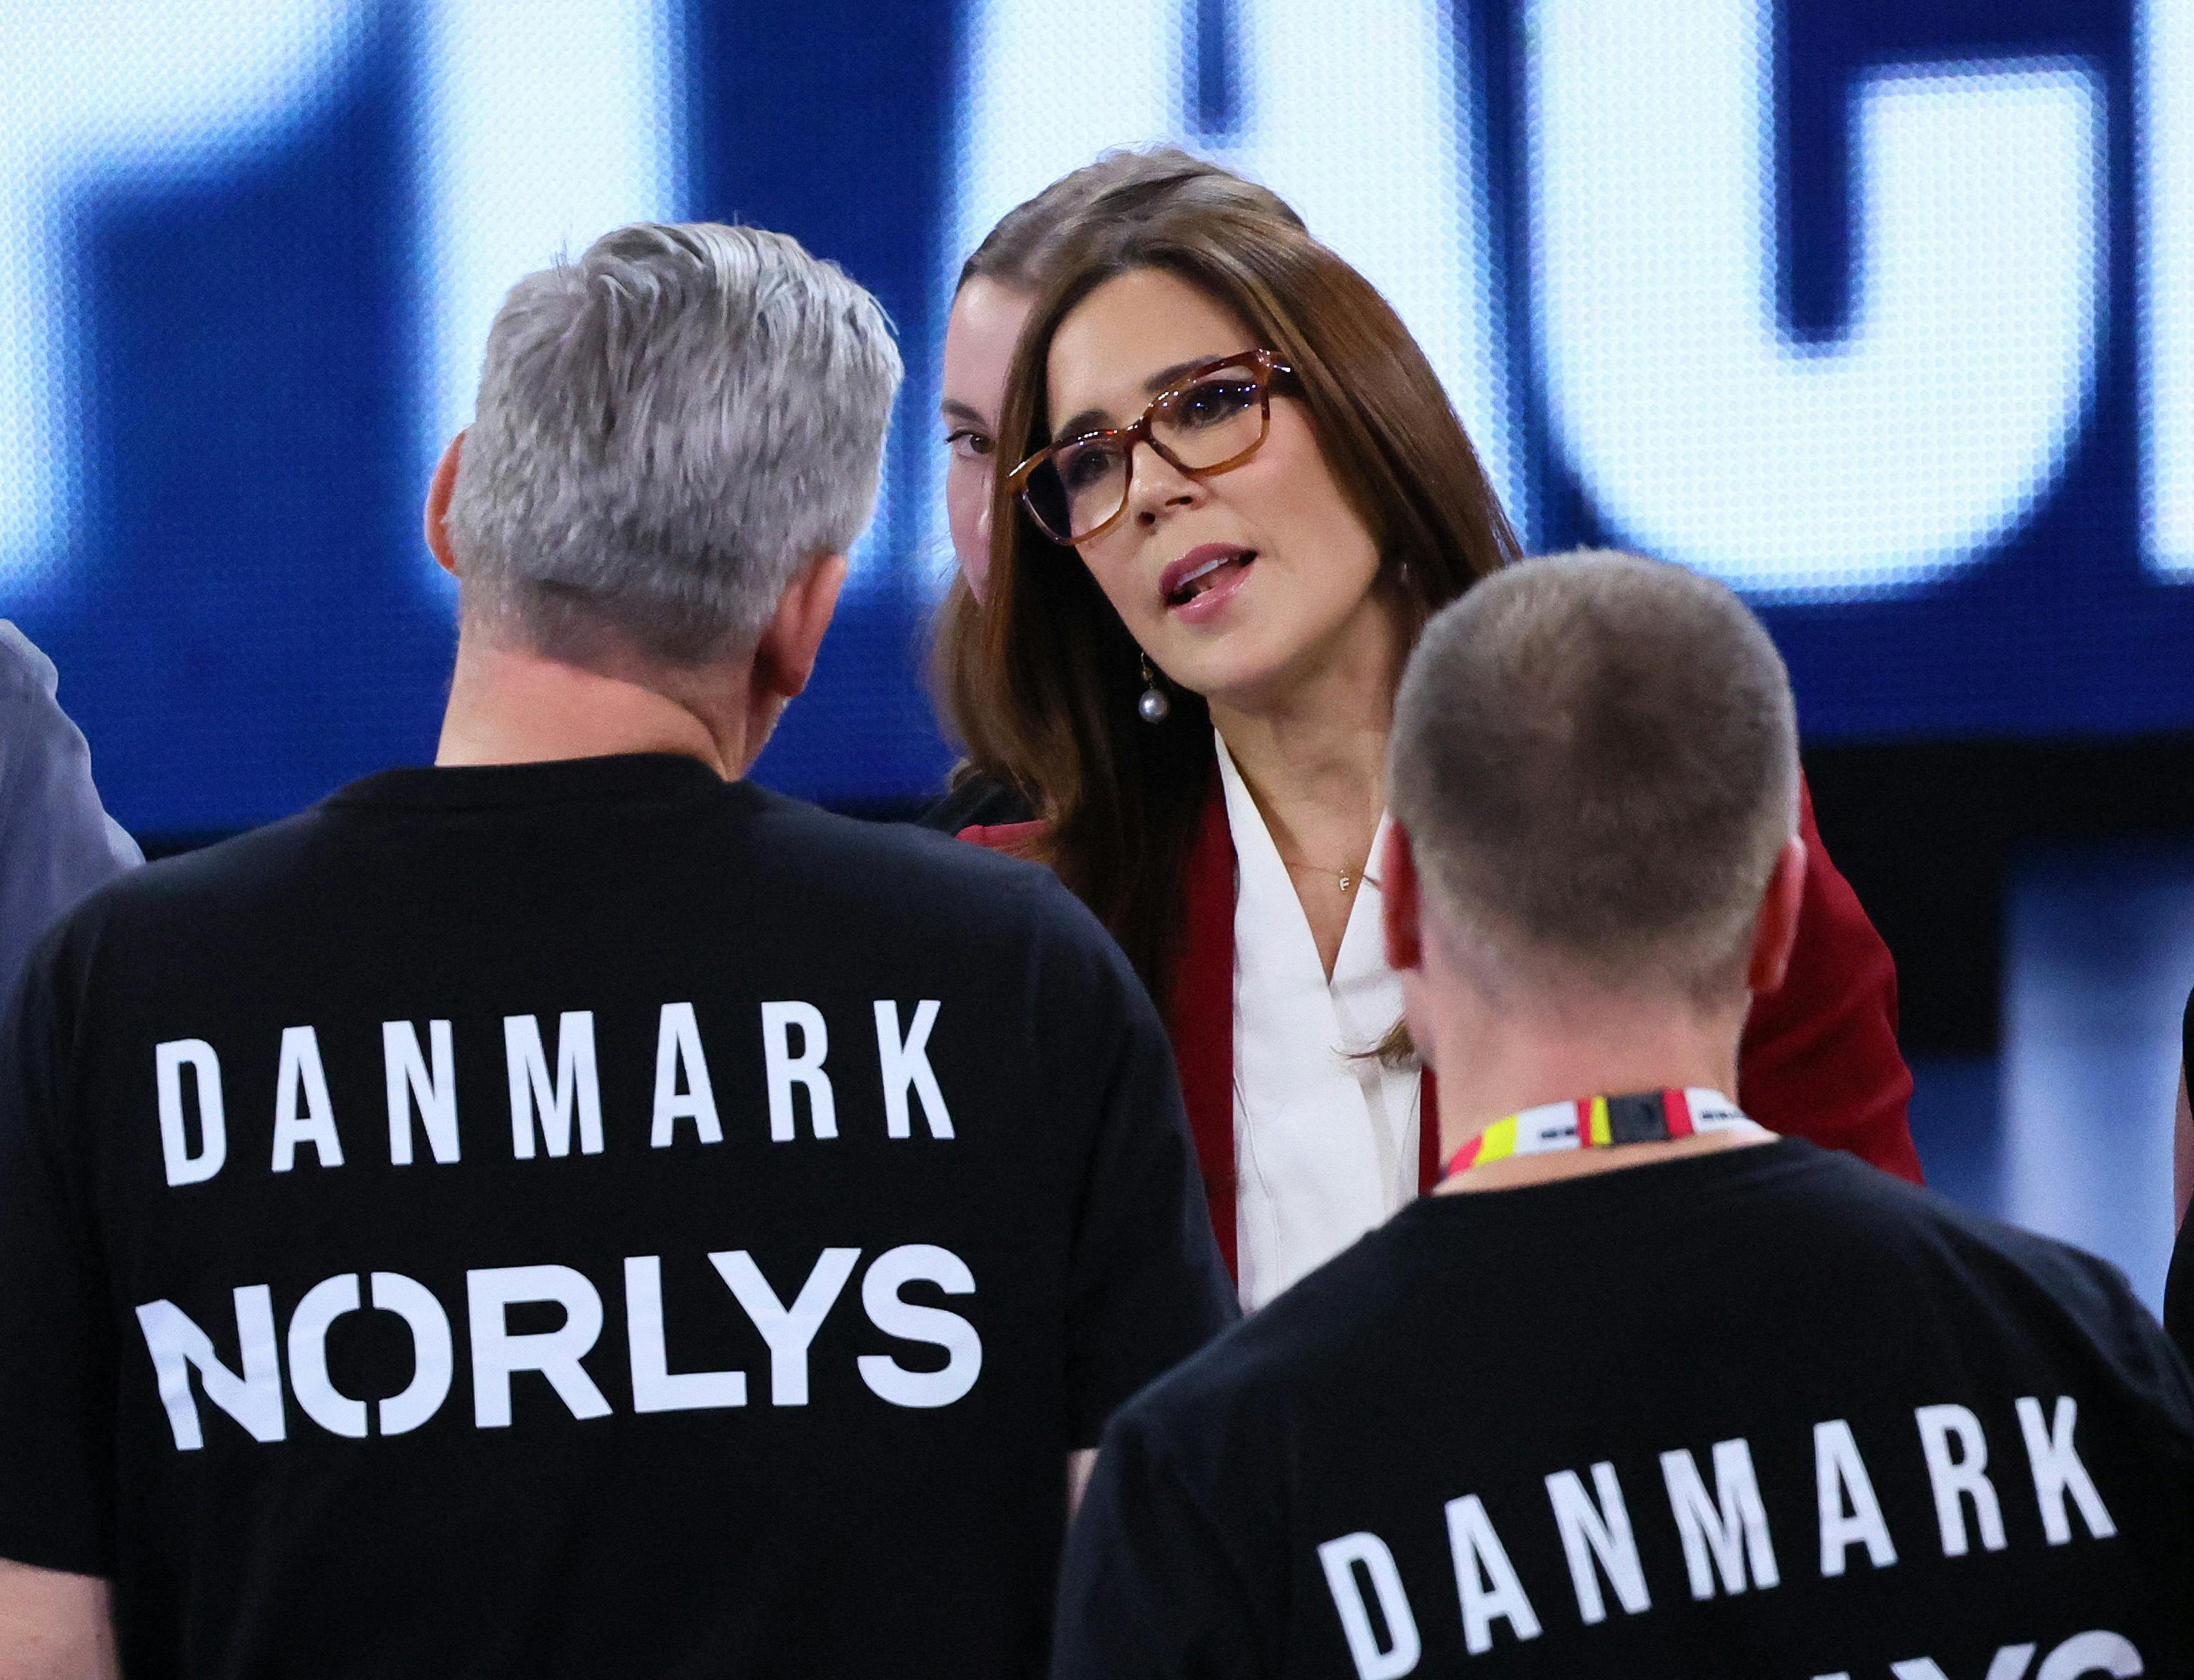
(1238, 685)
(1248, 673)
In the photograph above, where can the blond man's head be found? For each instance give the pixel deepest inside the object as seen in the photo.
(1595, 758)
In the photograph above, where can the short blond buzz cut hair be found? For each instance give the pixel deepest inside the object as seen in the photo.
(1596, 757)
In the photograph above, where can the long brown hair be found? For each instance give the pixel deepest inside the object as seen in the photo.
(1041, 683)
(1031, 241)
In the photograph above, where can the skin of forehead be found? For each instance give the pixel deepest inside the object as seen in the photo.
(1169, 326)
(979, 335)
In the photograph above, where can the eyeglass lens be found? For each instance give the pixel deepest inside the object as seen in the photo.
(1082, 484)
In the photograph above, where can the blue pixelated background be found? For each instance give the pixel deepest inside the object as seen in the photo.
(1882, 309)
(257, 246)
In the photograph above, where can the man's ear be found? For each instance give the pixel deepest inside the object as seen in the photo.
(439, 491)
(1401, 901)
(1777, 930)
(784, 656)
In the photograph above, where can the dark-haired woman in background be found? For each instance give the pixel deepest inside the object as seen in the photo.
(1244, 493)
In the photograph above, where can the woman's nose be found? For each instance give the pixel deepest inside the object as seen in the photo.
(1156, 483)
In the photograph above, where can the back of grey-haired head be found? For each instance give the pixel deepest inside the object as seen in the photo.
(667, 429)
(1596, 758)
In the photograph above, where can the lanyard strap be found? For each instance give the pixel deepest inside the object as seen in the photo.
(1600, 1123)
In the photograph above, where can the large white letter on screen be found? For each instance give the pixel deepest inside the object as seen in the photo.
(2163, 59)
(1369, 128)
(95, 88)
(1702, 432)
(544, 126)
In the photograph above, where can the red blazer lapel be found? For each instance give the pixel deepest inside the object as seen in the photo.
(1428, 1137)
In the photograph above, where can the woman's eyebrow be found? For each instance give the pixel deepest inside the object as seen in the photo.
(953, 409)
(1089, 420)
(1096, 419)
(1166, 376)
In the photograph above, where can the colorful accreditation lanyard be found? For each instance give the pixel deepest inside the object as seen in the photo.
(1601, 1122)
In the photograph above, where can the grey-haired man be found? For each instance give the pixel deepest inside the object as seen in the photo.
(569, 1211)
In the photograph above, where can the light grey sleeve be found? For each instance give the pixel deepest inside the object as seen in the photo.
(56, 841)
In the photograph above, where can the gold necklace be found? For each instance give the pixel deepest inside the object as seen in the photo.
(1346, 877)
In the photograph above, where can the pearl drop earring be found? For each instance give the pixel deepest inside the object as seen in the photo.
(1153, 706)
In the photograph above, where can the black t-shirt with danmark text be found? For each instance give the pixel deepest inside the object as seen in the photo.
(580, 1219)
(1765, 1413)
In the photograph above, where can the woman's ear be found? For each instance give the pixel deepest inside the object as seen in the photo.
(439, 491)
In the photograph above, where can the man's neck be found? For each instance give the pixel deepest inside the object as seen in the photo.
(1542, 1057)
(510, 705)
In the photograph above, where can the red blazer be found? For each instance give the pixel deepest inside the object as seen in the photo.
(1819, 1059)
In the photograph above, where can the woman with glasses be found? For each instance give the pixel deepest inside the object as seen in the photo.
(1238, 493)
(997, 288)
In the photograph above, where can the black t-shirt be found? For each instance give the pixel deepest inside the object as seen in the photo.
(975, 802)
(1765, 1413)
(580, 1219)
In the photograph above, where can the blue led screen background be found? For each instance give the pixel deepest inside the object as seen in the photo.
(1884, 311)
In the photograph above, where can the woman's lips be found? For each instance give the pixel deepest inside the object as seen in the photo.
(1199, 561)
(1215, 590)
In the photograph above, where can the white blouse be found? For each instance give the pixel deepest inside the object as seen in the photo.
(1325, 1140)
